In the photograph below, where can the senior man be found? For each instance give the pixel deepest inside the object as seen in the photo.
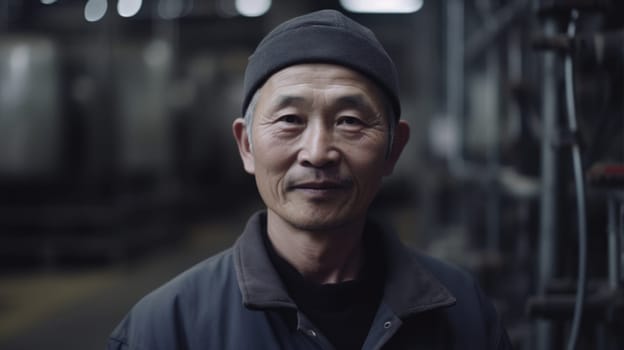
(321, 129)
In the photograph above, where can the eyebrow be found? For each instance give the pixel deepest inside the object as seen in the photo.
(288, 100)
(357, 101)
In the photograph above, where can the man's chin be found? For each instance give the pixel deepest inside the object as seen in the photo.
(320, 223)
(317, 217)
(319, 227)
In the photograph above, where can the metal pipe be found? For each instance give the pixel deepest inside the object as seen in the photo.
(613, 244)
(620, 233)
(580, 192)
(458, 166)
(493, 26)
(455, 73)
(548, 207)
(492, 214)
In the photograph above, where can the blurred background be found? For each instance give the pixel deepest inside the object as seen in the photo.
(118, 169)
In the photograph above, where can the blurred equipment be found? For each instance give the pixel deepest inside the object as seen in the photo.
(85, 165)
(30, 114)
(532, 143)
(593, 299)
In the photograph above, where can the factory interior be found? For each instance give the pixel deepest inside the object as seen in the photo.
(118, 169)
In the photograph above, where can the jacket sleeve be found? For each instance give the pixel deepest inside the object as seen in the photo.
(152, 324)
(116, 344)
(502, 339)
(473, 318)
(498, 338)
(118, 340)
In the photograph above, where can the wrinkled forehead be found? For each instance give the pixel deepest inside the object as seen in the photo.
(298, 83)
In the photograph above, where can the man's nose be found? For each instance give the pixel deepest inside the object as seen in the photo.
(318, 147)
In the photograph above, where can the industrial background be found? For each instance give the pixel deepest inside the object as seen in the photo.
(118, 169)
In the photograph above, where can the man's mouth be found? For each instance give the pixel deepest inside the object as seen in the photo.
(324, 185)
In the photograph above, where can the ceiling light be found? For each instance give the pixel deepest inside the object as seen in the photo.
(95, 10)
(385, 6)
(128, 8)
(252, 8)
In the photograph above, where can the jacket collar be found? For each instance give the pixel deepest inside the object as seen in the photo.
(409, 287)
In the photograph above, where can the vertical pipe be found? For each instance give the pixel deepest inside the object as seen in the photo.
(493, 153)
(620, 233)
(455, 94)
(455, 75)
(579, 185)
(548, 209)
(613, 244)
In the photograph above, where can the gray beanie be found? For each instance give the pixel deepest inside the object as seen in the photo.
(325, 36)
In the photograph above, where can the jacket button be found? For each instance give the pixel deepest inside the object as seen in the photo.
(312, 333)
(387, 325)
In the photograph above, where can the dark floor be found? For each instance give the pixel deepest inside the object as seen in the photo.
(77, 308)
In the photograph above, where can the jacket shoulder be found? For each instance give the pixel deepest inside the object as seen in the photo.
(161, 318)
(208, 276)
(473, 314)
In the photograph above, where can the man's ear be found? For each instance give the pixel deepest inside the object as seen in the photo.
(244, 147)
(401, 136)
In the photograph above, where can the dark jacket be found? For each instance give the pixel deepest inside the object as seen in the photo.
(235, 300)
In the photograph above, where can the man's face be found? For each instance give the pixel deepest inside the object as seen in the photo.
(319, 145)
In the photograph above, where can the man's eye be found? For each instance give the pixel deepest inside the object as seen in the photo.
(290, 119)
(349, 121)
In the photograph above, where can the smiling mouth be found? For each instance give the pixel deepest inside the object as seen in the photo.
(322, 186)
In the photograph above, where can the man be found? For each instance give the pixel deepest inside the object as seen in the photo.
(321, 130)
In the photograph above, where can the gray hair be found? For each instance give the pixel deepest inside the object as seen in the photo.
(389, 111)
(249, 115)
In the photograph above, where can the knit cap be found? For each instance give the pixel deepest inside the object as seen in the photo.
(325, 36)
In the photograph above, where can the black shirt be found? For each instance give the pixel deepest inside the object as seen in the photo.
(342, 311)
